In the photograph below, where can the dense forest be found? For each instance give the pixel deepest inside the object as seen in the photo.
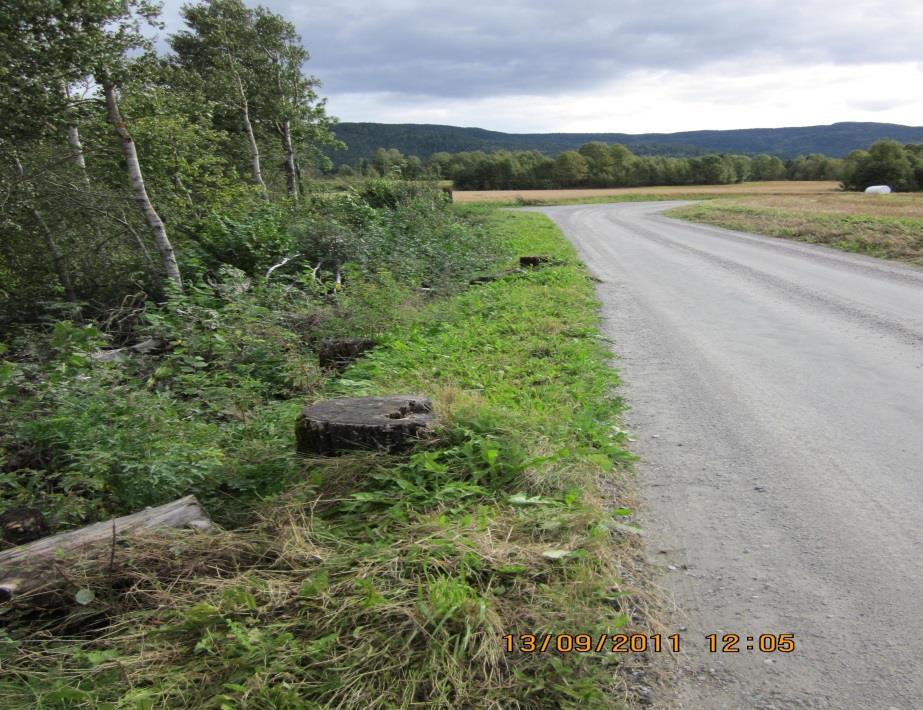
(599, 164)
(836, 141)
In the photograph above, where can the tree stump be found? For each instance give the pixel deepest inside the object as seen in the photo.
(386, 423)
(31, 567)
(533, 262)
(338, 354)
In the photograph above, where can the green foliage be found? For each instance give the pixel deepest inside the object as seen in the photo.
(72, 227)
(813, 167)
(249, 62)
(886, 162)
(570, 169)
(84, 438)
(188, 171)
(251, 241)
(392, 193)
(97, 438)
(767, 167)
(597, 164)
(402, 229)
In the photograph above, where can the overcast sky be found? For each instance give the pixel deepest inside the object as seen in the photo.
(632, 66)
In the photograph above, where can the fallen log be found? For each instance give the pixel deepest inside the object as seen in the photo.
(151, 346)
(30, 568)
(386, 423)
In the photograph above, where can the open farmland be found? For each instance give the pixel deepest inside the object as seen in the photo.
(615, 194)
(886, 226)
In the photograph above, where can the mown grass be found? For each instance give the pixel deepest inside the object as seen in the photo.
(389, 581)
(849, 222)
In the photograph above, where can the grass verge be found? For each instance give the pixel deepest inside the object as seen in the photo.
(861, 224)
(391, 581)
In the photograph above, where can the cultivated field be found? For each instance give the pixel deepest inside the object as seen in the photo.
(781, 187)
(887, 226)
(908, 204)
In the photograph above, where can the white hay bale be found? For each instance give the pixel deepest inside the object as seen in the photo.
(878, 190)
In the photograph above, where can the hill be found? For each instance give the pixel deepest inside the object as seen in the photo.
(835, 140)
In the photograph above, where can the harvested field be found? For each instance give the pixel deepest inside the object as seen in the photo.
(906, 204)
(781, 187)
(885, 226)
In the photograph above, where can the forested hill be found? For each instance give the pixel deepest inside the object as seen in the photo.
(423, 140)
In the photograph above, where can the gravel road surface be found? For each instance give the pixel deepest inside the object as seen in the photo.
(777, 403)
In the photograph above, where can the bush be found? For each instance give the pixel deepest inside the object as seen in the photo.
(211, 414)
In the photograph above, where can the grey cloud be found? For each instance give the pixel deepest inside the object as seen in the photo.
(878, 105)
(480, 49)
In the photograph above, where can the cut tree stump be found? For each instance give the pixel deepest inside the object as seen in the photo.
(338, 354)
(532, 262)
(388, 423)
(31, 567)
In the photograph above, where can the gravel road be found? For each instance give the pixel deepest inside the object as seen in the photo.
(777, 403)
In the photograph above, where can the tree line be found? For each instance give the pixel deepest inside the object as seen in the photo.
(113, 156)
(598, 164)
(885, 163)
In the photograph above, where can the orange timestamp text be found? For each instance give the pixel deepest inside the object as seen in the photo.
(643, 643)
(588, 643)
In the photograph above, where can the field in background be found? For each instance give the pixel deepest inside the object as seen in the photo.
(780, 187)
(886, 226)
(908, 204)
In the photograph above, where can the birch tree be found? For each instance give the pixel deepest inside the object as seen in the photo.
(138, 188)
(252, 61)
(221, 46)
(54, 44)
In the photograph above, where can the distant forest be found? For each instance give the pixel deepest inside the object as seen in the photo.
(598, 164)
(835, 141)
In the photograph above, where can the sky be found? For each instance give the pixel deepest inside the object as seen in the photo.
(622, 66)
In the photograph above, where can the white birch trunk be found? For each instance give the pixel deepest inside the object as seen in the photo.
(291, 171)
(255, 168)
(136, 178)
